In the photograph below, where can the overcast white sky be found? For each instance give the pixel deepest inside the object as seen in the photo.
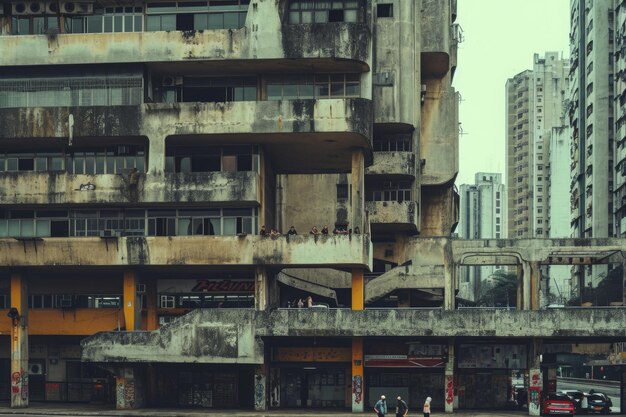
(501, 37)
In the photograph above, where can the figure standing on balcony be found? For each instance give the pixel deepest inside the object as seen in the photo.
(325, 230)
(292, 231)
(314, 231)
(263, 232)
(274, 232)
(309, 301)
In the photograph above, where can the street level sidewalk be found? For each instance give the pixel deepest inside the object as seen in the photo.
(48, 409)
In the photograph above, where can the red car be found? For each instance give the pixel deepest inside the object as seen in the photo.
(557, 403)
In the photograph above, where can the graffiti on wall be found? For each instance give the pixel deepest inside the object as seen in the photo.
(275, 387)
(449, 389)
(125, 393)
(19, 386)
(357, 389)
(259, 392)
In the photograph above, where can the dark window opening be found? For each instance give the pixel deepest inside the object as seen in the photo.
(342, 191)
(185, 21)
(384, 10)
(335, 16)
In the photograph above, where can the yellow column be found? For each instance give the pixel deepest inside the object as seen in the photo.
(152, 318)
(358, 381)
(358, 289)
(130, 300)
(19, 341)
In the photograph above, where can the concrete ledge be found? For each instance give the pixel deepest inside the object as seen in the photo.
(300, 251)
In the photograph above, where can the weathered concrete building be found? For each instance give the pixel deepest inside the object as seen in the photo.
(144, 147)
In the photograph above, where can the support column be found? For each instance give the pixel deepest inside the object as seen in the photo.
(358, 190)
(19, 341)
(358, 380)
(129, 389)
(261, 288)
(535, 383)
(260, 388)
(358, 289)
(132, 312)
(449, 379)
(449, 288)
(526, 279)
(520, 286)
(152, 317)
(535, 287)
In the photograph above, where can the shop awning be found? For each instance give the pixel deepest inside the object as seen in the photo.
(307, 286)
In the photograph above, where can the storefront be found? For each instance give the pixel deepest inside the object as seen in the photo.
(204, 386)
(178, 296)
(484, 374)
(415, 374)
(315, 377)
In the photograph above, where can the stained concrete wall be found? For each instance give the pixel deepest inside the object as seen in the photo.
(392, 163)
(321, 251)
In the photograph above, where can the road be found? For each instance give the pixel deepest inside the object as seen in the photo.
(585, 386)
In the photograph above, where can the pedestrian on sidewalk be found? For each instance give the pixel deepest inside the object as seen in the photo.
(401, 408)
(427, 407)
(380, 408)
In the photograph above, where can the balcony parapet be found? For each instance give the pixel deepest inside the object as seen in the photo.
(385, 212)
(393, 163)
(63, 188)
(295, 251)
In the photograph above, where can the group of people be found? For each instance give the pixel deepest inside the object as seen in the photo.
(314, 231)
(300, 303)
(380, 408)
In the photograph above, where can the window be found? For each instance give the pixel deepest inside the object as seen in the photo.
(589, 47)
(497, 228)
(202, 15)
(234, 158)
(36, 161)
(384, 10)
(399, 142)
(342, 191)
(318, 86)
(108, 19)
(497, 211)
(589, 88)
(399, 191)
(323, 11)
(109, 160)
(34, 25)
(173, 89)
(590, 68)
(589, 109)
(539, 221)
(539, 167)
(167, 301)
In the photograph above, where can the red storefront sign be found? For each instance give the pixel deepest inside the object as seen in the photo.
(403, 361)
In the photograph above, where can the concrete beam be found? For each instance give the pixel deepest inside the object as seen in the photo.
(404, 277)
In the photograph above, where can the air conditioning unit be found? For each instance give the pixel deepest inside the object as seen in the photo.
(35, 369)
(171, 81)
(76, 7)
(22, 8)
(52, 7)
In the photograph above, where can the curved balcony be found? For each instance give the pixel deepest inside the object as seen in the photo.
(61, 188)
(295, 46)
(393, 164)
(436, 37)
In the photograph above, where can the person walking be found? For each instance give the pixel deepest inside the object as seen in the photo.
(427, 407)
(380, 408)
(401, 408)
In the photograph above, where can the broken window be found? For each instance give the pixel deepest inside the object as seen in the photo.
(321, 11)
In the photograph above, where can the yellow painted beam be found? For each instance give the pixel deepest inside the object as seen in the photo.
(358, 289)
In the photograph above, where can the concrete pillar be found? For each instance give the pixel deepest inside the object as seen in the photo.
(535, 287)
(132, 311)
(129, 389)
(449, 288)
(358, 190)
(152, 305)
(535, 384)
(261, 289)
(526, 279)
(520, 287)
(449, 379)
(260, 388)
(358, 289)
(358, 380)
(19, 342)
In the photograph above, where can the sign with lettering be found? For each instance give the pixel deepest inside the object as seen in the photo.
(317, 354)
(187, 286)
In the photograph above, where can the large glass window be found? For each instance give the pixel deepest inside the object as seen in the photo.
(399, 191)
(131, 222)
(196, 15)
(109, 160)
(323, 11)
(308, 86)
(401, 142)
(107, 19)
